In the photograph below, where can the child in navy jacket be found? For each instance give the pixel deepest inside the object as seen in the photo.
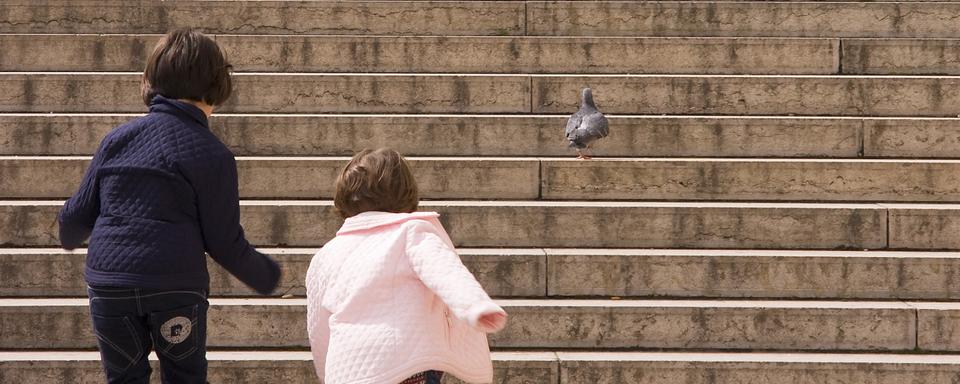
(161, 192)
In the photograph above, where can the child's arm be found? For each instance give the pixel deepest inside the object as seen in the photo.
(318, 319)
(434, 260)
(218, 202)
(80, 211)
(319, 332)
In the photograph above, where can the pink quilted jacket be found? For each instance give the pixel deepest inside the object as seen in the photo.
(388, 297)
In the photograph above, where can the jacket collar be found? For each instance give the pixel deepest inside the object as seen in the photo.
(374, 219)
(175, 107)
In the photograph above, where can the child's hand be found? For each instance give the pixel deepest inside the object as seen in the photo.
(493, 321)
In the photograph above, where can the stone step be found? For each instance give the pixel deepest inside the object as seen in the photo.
(746, 18)
(294, 367)
(559, 179)
(933, 226)
(595, 224)
(279, 93)
(299, 177)
(752, 95)
(536, 272)
(750, 180)
(448, 54)
(51, 272)
(699, 18)
(901, 56)
(479, 135)
(562, 324)
(759, 368)
(599, 224)
(916, 138)
(550, 94)
(752, 274)
(265, 17)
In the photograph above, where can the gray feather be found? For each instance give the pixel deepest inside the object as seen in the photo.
(573, 123)
(588, 124)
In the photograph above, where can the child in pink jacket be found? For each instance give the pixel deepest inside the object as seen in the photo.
(388, 299)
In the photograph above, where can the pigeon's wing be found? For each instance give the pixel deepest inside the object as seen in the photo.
(596, 125)
(573, 123)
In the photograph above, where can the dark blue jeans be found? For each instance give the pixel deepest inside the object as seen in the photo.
(130, 322)
(425, 377)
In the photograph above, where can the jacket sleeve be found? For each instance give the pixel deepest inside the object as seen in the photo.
(81, 210)
(218, 204)
(318, 319)
(437, 264)
(319, 333)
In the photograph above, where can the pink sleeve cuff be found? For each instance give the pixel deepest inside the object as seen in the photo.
(485, 308)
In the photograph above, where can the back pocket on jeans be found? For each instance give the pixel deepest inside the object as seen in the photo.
(119, 342)
(176, 332)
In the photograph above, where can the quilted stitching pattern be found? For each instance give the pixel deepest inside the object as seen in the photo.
(394, 299)
(142, 189)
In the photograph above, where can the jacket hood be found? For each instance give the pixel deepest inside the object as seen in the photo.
(374, 219)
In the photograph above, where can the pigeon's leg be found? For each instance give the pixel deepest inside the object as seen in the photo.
(586, 153)
(582, 156)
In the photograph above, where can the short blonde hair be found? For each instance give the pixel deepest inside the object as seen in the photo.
(376, 180)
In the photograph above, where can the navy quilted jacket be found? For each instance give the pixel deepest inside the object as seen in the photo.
(160, 191)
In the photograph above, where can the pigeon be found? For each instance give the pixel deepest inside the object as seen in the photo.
(586, 125)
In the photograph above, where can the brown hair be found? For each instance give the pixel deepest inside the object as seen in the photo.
(376, 180)
(187, 64)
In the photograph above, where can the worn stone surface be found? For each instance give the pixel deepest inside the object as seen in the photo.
(924, 227)
(25, 224)
(299, 178)
(708, 325)
(556, 324)
(660, 179)
(338, 93)
(751, 180)
(508, 272)
(67, 326)
(423, 54)
(117, 53)
(816, 19)
(46, 273)
(667, 225)
(48, 327)
(220, 371)
(39, 274)
(752, 95)
(304, 93)
(615, 371)
(544, 224)
(572, 368)
(520, 368)
(333, 135)
(249, 367)
(42, 134)
(901, 56)
(536, 55)
(260, 17)
(40, 178)
(938, 138)
(753, 274)
(939, 326)
(44, 371)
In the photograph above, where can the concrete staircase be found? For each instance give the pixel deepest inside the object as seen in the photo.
(777, 202)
